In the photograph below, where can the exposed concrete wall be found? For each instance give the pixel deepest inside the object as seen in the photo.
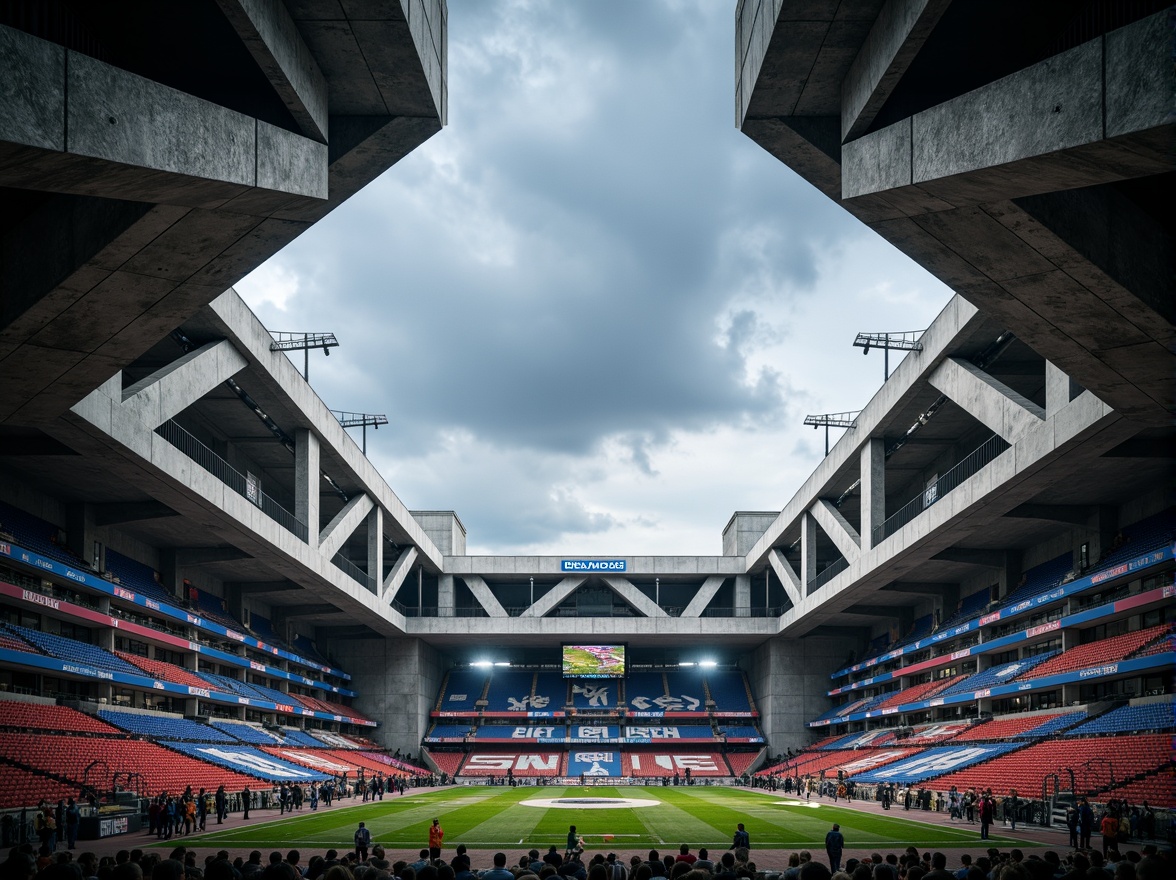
(744, 529)
(444, 529)
(789, 678)
(398, 681)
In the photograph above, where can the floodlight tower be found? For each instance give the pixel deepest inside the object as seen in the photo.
(360, 420)
(904, 340)
(304, 342)
(832, 420)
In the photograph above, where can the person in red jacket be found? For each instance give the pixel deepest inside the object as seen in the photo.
(436, 835)
(1110, 830)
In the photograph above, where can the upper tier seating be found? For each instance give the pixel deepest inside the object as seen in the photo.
(137, 577)
(1149, 534)
(689, 693)
(264, 630)
(164, 727)
(925, 734)
(509, 691)
(507, 731)
(646, 688)
(248, 760)
(1131, 719)
(1020, 726)
(161, 769)
(915, 693)
(660, 731)
(246, 733)
(13, 642)
(728, 688)
(920, 628)
(163, 671)
(1088, 758)
(449, 731)
(304, 647)
(743, 731)
(213, 608)
(333, 740)
(23, 788)
(1002, 673)
(73, 650)
(462, 690)
(38, 716)
(1039, 579)
(855, 740)
(323, 706)
(970, 606)
(551, 692)
(844, 709)
(36, 534)
(332, 761)
(595, 693)
(1095, 653)
(447, 762)
(934, 762)
(1165, 645)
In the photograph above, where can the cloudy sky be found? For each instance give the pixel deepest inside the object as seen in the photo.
(594, 313)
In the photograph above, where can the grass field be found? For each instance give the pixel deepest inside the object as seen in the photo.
(495, 818)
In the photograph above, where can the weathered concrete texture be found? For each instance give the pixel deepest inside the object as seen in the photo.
(790, 678)
(895, 38)
(398, 681)
(288, 162)
(32, 91)
(172, 389)
(1140, 80)
(344, 524)
(484, 595)
(877, 162)
(989, 400)
(744, 529)
(444, 529)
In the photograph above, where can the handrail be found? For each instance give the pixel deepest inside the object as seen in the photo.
(184, 441)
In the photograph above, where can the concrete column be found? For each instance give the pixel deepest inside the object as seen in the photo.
(234, 600)
(104, 638)
(742, 595)
(1057, 390)
(104, 604)
(1103, 524)
(375, 547)
(1010, 572)
(789, 678)
(808, 550)
(445, 596)
(873, 475)
(306, 482)
(79, 530)
(170, 574)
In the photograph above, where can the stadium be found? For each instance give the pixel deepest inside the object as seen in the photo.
(205, 585)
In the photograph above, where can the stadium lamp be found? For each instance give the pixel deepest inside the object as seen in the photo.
(709, 664)
(482, 664)
(501, 663)
(686, 663)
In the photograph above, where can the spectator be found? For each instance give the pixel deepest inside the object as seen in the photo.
(834, 845)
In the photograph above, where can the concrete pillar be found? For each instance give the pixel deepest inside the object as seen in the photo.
(789, 678)
(1103, 524)
(375, 547)
(234, 600)
(170, 574)
(79, 530)
(742, 595)
(103, 604)
(445, 596)
(1011, 571)
(104, 638)
(808, 550)
(1057, 390)
(873, 475)
(306, 482)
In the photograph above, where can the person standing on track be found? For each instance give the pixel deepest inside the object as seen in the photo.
(436, 835)
(834, 846)
(363, 839)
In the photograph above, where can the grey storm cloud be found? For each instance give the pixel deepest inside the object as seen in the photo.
(606, 320)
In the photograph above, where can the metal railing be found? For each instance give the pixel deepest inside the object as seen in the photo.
(182, 440)
(969, 466)
(469, 611)
(353, 571)
(829, 572)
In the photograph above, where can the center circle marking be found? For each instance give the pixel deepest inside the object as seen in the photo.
(589, 803)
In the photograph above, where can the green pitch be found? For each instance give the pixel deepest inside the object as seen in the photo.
(496, 818)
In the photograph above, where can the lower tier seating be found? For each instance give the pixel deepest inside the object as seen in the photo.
(739, 762)
(164, 671)
(248, 760)
(38, 716)
(1095, 763)
(23, 788)
(531, 762)
(1009, 726)
(659, 763)
(447, 762)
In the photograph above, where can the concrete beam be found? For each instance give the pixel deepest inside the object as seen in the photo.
(808, 549)
(345, 632)
(987, 558)
(170, 390)
(891, 612)
(399, 572)
(484, 595)
(150, 142)
(344, 524)
(307, 478)
(861, 633)
(272, 38)
(115, 512)
(838, 528)
(989, 400)
(375, 546)
(702, 598)
(290, 612)
(789, 579)
(898, 33)
(919, 589)
(247, 588)
(187, 557)
(642, 603)
(1075, 514)
(549, 600)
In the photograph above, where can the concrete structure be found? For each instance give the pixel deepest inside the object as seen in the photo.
(162, 426)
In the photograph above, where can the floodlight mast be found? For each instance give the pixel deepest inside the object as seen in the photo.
(832, 420)
(903, 340)
(360, 420)
(304, 342)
